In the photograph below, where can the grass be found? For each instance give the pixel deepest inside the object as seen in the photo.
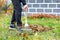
(5, 34)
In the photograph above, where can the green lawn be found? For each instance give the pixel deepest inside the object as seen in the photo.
(46, 35)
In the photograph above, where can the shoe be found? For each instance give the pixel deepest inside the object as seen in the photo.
(19, 28)
(12, 27)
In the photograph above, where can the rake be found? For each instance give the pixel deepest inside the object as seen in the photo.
(26, 28)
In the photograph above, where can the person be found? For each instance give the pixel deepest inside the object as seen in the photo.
(16, 17)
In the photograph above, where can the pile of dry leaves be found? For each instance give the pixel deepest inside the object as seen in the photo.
(37, 28)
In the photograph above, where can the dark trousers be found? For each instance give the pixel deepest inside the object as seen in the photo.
(16, 17)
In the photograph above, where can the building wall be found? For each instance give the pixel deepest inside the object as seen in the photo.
(44, 6)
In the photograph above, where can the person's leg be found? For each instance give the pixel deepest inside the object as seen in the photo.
(13, 18)
(12, 25)
(18, 18)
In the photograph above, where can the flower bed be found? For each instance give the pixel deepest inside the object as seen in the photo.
(43, 16)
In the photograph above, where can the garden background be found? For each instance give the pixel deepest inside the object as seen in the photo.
(38, 7)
